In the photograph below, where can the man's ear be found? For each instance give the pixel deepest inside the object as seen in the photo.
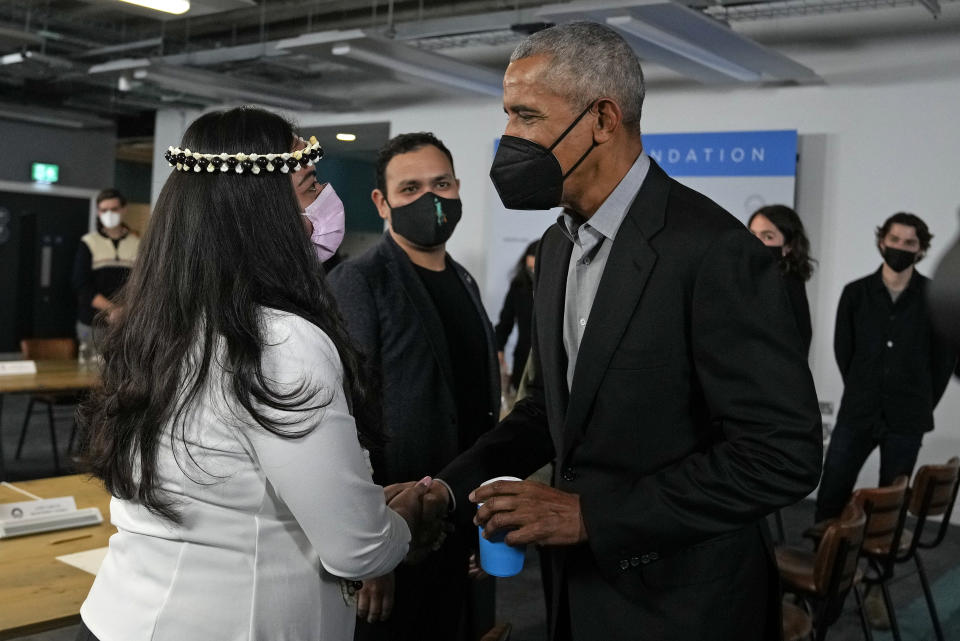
(609, 120)
(380, 202)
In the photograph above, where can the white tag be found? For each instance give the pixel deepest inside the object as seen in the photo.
(14, 368)
(31, 509)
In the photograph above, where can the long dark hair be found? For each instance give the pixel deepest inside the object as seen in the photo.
(219, 248)
(797, 260)
(519, 271)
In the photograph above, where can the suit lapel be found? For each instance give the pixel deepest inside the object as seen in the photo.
(548, 302)
(625, 275)
(400, 266)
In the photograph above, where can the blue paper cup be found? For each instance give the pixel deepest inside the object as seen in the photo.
(497, 558)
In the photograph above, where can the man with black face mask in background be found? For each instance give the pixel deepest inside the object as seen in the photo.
(417, 316)
(894, 366)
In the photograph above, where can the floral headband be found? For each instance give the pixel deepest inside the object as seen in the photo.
(186, 160)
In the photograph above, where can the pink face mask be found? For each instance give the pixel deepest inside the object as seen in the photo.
(329, 223)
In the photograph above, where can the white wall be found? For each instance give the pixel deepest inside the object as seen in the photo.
(882, 135)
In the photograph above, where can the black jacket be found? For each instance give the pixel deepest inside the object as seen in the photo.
(692, 415)
(797, 293)
(894, 366)
(391, 318)
(517, 309)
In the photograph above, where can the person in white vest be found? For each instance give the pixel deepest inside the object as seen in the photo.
(103, 261)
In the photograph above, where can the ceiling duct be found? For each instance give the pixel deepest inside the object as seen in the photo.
(52, 117)
(12, 39)
(224, 88)
(398, 57)
(687, 41)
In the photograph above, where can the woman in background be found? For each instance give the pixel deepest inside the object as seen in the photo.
(779, 228)
(224, 427)
(517, 309)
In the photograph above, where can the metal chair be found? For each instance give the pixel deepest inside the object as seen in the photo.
(822, 579)
(48, 349)
(934, 493)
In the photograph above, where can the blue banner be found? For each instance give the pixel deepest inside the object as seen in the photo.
(727, 153)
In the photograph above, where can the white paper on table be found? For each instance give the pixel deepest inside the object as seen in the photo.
(88, 561)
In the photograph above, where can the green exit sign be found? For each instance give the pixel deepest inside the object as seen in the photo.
(45, 173)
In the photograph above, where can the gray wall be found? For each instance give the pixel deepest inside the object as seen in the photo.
(86, 156)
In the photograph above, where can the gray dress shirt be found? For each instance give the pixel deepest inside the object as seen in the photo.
(592, 240)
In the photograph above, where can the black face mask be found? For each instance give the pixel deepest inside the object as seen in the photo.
(527, 175)
(428, 221)
(898, 259)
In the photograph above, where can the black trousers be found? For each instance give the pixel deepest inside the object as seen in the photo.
(83, 634)
(849, 449)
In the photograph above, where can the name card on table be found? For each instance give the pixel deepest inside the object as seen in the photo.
(40, 507)
(17, 368)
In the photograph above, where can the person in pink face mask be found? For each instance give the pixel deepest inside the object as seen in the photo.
(323, 211)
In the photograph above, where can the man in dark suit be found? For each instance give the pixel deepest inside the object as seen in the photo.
(416, 315)
(671, 386)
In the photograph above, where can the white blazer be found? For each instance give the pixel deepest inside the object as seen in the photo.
(268, 523)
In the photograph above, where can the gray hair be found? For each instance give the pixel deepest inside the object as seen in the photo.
(589, 61)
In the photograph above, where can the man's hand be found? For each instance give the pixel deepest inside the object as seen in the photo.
(375, 599)
(391, 491)
(536, 513)
(424, 513)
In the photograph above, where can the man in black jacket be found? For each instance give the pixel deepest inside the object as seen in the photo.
(670, 384)
(895, 367)
(416, 315)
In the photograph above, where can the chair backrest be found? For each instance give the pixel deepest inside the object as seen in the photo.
(934, 494)
(933, 488)
(884, 509)
(839, 550)
(53, 349)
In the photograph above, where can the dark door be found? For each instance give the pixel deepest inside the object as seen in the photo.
(36, 263)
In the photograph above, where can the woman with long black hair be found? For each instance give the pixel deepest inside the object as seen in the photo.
(517, 310)
(780, 228)
(229, 423)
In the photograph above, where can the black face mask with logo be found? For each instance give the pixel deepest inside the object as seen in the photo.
(428, 221)
(898, 259)
(527, 175)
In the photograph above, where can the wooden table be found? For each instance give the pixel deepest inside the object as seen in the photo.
(51, 377)
(37, 592)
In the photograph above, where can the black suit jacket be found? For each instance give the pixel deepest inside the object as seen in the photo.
(391, 318)
(692, 415)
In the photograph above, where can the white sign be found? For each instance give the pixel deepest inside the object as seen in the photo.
(32, 509)
(17, 368)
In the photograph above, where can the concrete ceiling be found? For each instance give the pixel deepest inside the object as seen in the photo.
(113, 60)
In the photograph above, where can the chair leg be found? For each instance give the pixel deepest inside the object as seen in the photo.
(867, 633)
(922, 572)
(23, 430)
(894, 626)
(53, 438)
(73, 435)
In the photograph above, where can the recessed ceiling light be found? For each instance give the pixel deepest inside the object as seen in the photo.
(347, 137)
(167, 6)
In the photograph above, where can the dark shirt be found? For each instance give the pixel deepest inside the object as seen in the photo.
(467, 347)
(894, 367)
(88, 282)
(517, 308)
(797, 293)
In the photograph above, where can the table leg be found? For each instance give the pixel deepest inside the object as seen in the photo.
(3, 470)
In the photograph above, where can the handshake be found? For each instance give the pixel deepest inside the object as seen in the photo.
(423, 505)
